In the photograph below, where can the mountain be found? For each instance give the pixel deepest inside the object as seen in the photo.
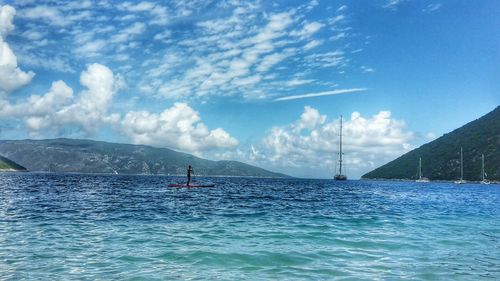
(9, 165)
(441, 157)
(87, 156)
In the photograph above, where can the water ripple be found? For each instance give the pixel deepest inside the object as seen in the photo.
(100, 227)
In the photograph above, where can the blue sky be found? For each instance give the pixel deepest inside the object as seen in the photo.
(263, 82)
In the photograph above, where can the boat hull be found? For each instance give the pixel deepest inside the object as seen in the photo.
(422, 180)
(340, 178)
(191, 185)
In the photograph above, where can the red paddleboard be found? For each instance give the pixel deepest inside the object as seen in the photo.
(191, 185)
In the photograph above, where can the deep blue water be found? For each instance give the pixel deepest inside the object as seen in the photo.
(96, 227)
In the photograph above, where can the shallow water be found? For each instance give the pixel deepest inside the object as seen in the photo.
(97, 227)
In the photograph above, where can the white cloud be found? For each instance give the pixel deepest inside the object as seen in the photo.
(312, 143)
(312, 44)
(92, 48)
(247, 81)
(228, 57)
(47, 14)
(52, 63)
(91, 108)
(163, 36)
(270, 60)
(159, 14)
(77, 5)
(312, 4)
(430, 136)
(366, 69)
(38, 106)
(338, 36)
(178, 127)
(432, 7)
(298, 82)
(234, 50)
(336, 19)
(139, 7)
(323, 60)
(308, 30)
(59, 95)
(235, 54)
(319, 94)
(129, 33)
(11, 76)
(33, 35)
(6, 20)
(392, 4)
(59, 107)
(342, 8)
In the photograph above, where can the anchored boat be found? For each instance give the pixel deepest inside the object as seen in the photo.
(340, 176)
(420, 177)
(461, 180)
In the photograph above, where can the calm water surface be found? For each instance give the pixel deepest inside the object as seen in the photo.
(95, 227)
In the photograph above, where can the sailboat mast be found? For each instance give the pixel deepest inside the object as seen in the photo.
(461, 165)
(340, 159)
(482, 167)
(420, 167)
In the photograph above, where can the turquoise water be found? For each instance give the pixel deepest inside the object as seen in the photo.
(95, 227)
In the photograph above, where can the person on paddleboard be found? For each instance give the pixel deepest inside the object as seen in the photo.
(189, 173)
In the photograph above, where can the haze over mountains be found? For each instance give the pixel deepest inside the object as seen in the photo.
(441, 157)
(87, 156)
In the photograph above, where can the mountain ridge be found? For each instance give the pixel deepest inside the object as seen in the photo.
(441, 157)
(9, 165)
(91, 156)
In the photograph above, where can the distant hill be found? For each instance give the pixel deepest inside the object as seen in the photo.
(9, 165)
(441, 157)
(87, 156)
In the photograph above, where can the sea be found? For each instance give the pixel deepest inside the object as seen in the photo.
(120, 227)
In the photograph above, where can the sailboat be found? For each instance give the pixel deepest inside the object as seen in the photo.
(340, 176)
(483, 173)
(420, 177)
(461, 180)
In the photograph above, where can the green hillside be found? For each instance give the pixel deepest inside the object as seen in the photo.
(441, 157)
(87, 156)
(9, 165)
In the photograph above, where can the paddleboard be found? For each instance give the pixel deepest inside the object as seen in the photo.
(191, 185)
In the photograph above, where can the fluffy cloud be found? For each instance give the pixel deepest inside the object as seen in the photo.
(178, 127)
(6, 18)
(11, 76)
(92, 105)
(312, 142)
(58, 107)
(39, 106)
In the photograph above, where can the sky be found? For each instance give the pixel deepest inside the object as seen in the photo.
(262, 82)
